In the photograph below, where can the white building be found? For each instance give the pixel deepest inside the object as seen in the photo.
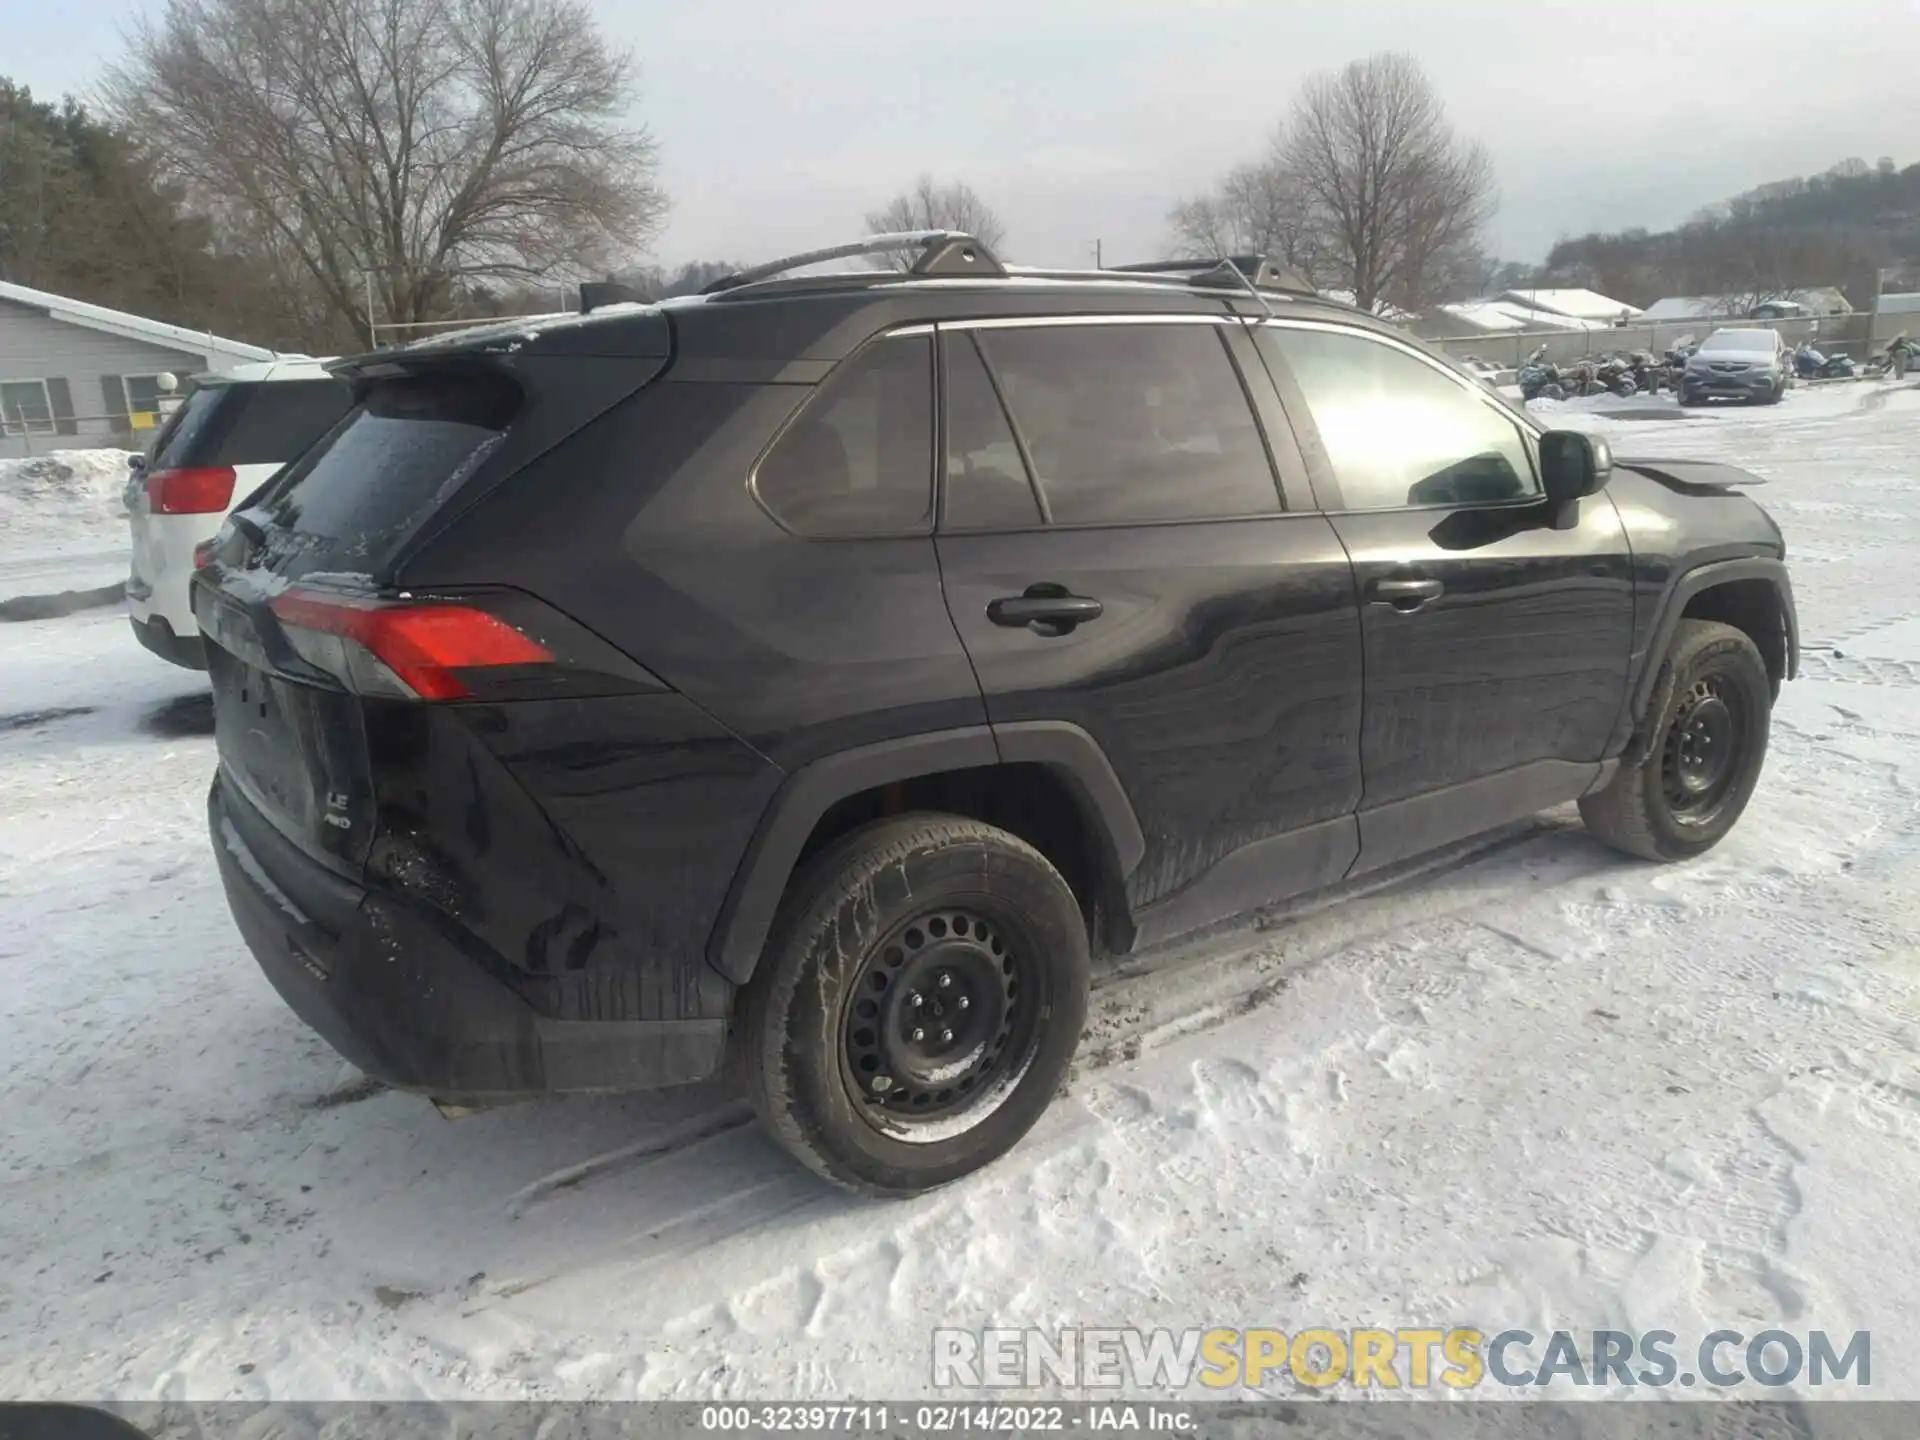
(73, 374)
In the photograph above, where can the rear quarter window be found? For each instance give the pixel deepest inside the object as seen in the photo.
(858, 458)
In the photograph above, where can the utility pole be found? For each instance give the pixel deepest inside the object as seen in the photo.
(1098, 262)
(373, 335)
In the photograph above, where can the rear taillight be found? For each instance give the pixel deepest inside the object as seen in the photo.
(403, 649)
(190, 490)
(203, 553)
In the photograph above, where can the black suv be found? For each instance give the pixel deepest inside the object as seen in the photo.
(816, 671)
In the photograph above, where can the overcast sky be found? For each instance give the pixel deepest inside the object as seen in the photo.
(781, 122)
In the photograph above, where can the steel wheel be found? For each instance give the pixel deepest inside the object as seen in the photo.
(940, 1024)
(1701, 757)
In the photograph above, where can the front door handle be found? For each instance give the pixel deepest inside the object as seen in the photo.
(1044, 609)
(1404, 595)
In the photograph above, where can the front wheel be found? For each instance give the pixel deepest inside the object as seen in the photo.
(918, 1004)
(1707, 743)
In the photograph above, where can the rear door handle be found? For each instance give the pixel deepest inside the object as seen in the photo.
(1047, 612)
(1404, 594)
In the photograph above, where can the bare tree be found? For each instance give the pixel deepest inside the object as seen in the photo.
(928, 206)
(423, 143)
(1402, 199)
(1258, 209)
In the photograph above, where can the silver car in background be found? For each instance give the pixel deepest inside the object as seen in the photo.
(1737, 365)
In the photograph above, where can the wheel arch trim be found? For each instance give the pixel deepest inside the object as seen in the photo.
(1693, 582)
(747, 914)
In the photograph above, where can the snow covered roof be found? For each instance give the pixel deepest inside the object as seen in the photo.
(1819, 300)
(1386, 312)
(1505, 317)
(1685, 307)
(1487, 315)
(1575, 304)
(220, 353)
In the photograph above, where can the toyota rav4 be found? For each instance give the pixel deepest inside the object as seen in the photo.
(811, 675)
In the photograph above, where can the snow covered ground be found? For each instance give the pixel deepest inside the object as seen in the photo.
(62, 523)
(1530, 1085)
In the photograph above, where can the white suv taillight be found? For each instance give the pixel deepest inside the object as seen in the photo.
(190, 490)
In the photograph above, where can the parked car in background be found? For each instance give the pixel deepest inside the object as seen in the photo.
(1737, 365)
(600, 701)
(230, 434)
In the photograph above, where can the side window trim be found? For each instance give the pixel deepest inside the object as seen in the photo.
(1291, 479)
(936, 461)
(1313, 451)
(951, 334)
(1013, 428)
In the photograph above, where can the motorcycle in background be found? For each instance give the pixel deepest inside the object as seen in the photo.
(1539, 378)
(1678, 354)
(1615, 374)
(1810, 364)
(1898, 358)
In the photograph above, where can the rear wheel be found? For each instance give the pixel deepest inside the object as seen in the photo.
(918, 1004)
(1707, 745)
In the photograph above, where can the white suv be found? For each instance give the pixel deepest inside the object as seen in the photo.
(230, 435)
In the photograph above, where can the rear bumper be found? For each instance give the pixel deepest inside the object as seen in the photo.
(157, 634)
(413, 1006)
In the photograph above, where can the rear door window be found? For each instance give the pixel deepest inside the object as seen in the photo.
(264, 422)
(858, 458)
(1126, 424)
(400, 456)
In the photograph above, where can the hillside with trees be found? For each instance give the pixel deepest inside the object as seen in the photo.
(1834, 228)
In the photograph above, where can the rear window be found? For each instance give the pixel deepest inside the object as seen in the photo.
(265, 422)
(402, 454)
(1743, 341)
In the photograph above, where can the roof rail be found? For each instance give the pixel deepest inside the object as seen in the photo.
(942, 253)
(1230, 272)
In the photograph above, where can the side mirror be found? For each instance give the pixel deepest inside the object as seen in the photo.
(1573, 464)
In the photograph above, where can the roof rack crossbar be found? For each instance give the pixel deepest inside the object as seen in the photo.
(942, 253)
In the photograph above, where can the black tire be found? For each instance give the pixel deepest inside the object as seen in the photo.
(874, 923)
(1683, 796)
